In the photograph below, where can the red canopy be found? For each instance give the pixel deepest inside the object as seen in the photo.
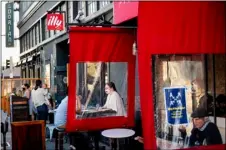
(94, 44)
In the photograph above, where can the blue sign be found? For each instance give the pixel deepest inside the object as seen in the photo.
(175, 103)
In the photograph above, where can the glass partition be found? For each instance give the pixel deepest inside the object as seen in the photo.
(101, 89)
(183, 83)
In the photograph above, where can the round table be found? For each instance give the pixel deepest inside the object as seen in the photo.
(118, 133)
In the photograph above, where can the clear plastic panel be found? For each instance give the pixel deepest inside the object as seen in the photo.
(96, 92)
(181, 83)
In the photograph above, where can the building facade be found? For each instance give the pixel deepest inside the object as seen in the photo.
(44, 53)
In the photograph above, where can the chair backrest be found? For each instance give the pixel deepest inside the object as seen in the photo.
(19, 109)
(28, 135)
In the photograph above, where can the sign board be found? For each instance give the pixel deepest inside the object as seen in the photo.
(175, 104)
(55, 21)
(124, 11)
(9, 24)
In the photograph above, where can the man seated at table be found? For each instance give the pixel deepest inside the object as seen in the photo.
(60, 121)
(61, 111)
(204, 132)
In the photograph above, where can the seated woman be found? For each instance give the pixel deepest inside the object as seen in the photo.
(114, 101)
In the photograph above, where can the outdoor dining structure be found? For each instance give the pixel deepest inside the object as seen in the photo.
(181, 57)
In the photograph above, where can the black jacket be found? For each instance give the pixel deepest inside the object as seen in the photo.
(210, 133)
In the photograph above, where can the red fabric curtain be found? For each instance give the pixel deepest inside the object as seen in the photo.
(94, 44)
(182, 27)
(174, 28)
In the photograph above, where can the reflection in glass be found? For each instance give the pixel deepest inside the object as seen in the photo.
(191, 72)
(99, 96)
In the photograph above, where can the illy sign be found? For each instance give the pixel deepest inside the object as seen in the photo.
(55, 21)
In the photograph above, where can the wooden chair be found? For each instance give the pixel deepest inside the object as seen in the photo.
(28, 135)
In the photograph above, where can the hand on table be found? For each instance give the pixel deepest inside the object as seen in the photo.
(139, 139)
(182, 128)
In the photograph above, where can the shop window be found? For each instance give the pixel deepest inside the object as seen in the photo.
(93, 89)
(183, 83)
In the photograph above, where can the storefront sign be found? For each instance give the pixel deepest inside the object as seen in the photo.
(9, 25)
(55, 21)
(175, 103)
(124, 11)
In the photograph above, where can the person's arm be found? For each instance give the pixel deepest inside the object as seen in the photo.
(193, 137)
(139, 139)
(213, 135)
(113, 102)
(78, 105)
(28, 93)
(105, 105)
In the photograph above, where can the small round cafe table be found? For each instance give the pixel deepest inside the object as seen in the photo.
(116, 134)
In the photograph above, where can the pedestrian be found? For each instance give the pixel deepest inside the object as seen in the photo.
(38, 98)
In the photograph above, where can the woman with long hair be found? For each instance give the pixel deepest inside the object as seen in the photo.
(114, 101)
(38, 98)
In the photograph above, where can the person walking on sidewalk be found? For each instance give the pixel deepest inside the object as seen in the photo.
(38, 98)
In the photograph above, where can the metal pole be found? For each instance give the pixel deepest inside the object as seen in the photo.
(214, 88)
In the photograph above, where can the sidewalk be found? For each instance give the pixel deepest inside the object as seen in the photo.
(50, 145)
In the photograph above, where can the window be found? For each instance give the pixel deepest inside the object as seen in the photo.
(92, 7)
(33, 36)
(30, 38)
(183, 83)
(82, 7)
(25, 5)
(25, 42)
(21, 44)
(104, 3)
(69, 11)
(46, 32)
(27, 39)
(92, 86)
(37, 26)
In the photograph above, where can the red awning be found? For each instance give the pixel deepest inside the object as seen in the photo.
(182, 27)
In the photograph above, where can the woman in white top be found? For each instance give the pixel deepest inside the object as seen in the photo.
(38, 98)
(114, 101)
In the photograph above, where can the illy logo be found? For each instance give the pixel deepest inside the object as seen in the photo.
(55, 21)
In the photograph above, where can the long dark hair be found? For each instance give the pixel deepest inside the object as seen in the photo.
(38, 84)
(112, 85)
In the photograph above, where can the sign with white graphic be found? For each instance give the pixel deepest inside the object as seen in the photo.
(175, 104)
(55, 21)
